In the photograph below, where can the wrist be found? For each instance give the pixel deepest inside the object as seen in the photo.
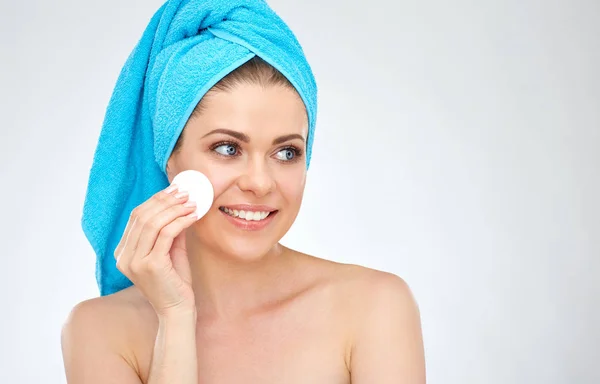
(177, 313)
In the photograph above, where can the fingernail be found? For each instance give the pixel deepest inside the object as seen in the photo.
(181, 194)
(171, 189)
(190, 204)
(192, 215)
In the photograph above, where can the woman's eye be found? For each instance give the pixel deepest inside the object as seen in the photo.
(226, 150)
(286, 154)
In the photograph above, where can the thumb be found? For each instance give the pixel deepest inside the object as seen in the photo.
(179, 258)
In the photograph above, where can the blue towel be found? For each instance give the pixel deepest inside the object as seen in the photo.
(187, 47)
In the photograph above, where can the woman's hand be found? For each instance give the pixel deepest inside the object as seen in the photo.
(152, 252)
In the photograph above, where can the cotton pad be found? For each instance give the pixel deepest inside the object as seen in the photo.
(199, 188)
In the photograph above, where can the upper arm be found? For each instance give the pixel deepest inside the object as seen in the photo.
(388, 343)
(89, 355)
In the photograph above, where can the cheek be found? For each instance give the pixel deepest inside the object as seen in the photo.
(221, 177)
(290, 182)
(291, 185)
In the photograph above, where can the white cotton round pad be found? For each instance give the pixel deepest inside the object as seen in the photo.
(199, 188)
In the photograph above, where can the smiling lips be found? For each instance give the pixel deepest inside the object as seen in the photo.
(249, 217)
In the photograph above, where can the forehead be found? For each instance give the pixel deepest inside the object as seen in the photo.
(255, 110)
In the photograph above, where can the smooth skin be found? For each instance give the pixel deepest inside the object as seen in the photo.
(215, 303)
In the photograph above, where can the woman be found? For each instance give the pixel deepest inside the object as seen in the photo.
(220, 300)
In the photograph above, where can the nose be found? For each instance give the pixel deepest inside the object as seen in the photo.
(257, 179)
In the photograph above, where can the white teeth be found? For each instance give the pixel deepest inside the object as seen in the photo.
(249, 215)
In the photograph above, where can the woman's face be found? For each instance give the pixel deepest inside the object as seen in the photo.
(250, 143)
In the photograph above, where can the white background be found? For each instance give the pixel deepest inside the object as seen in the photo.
(457, 146)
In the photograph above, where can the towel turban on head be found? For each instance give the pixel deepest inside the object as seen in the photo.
(187, 47)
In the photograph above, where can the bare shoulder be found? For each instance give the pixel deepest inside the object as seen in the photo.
(108, 325)
(111, 314)
(377, 290)
(374, 296)
(382, 321)
(363, 287)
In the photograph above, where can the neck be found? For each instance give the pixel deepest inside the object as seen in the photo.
(227, 287)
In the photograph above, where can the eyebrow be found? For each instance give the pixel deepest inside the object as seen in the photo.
(283, 139)
(246, 139)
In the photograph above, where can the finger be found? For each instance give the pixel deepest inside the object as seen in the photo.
(145, 212)
(167, 235)
(157, 204)
(157, 227)
(141, 214)
(124, 256)
(180, 259)
(160, 196)
(123, 241)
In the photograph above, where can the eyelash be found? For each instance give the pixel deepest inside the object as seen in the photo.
(297, 151)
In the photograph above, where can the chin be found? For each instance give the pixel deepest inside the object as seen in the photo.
(244, 250)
